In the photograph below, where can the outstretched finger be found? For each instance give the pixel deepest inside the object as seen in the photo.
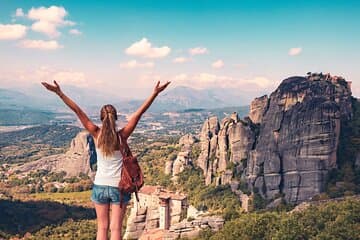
(165, 84)
(45, 84)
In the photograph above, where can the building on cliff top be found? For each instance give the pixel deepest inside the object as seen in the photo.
(327, 77)
(157, 209)
(172, 206)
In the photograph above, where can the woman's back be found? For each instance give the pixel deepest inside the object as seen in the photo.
(108, 168)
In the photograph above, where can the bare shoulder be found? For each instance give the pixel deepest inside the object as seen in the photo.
(96, 132)
(121, 132)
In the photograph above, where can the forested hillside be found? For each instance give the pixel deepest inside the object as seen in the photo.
(331, 221)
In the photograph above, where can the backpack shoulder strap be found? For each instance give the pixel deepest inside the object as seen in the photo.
(121, 147)
(124, 147)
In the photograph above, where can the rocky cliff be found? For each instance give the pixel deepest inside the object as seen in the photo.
(73, 162)
(287, 144)
(183, 158)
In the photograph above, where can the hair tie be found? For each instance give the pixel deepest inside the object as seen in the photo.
(110, 114)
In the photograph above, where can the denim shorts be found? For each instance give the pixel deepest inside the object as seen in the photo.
(108, 195)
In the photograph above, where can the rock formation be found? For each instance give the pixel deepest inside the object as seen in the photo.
(287, 144)
(183, 158)
(73, 162)
(298, 138)
(224, 145)
(191, 229)
(257, 109)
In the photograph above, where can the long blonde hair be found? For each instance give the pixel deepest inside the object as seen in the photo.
(108, 139)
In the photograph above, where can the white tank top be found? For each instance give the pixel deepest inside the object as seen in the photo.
(108, 168)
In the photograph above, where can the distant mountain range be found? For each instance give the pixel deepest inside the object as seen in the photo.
(12, 99)
(181, 98)
(35, 105)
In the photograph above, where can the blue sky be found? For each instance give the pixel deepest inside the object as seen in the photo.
(128, 45)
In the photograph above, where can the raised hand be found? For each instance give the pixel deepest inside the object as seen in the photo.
(159, 88)
(54, 88)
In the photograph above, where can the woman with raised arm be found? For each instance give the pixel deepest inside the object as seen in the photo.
(105, 193)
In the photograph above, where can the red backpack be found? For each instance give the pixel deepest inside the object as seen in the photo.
(132, 178)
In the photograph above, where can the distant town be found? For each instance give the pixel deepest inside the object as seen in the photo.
(165, 124)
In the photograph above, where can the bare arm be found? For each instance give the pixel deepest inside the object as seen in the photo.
(84, 119)
(135, 117)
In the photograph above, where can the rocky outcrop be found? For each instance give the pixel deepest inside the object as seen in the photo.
(73, 162)
(224, 146)
(287, 144)
(208, 143)
(298, 138)
(187, 141)
(191, 229)
(244, 198)
(183, 158)
(258, 108)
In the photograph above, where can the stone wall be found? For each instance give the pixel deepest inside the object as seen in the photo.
(146, 216)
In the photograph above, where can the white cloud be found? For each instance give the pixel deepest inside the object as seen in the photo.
(70, 78)
(181, 60)
(198, 51)
(19, 12)
(63, 76)
(46, 27)
(144, 48)
(262, 82)
(207, 80)
(135, 64)
(75, 32)
(218, 64)
(48, 20)
(201, 80)
(148, 80)
(295, 51)
(40, 44)
(180, 78)
(12, 31)
(240, 65)
(23, 77)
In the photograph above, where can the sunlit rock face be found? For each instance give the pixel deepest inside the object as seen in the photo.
(175, 166)
(222, 146)
(287, 144)
(257, 108)
(73, 162)
(298, 138)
